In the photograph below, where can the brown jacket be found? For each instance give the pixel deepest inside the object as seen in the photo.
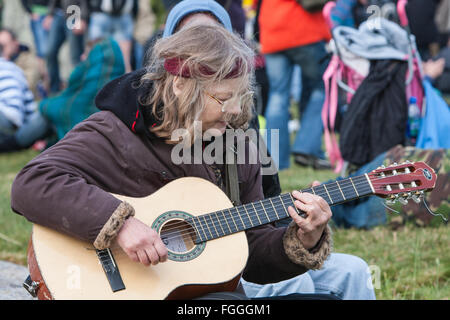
(68, 188)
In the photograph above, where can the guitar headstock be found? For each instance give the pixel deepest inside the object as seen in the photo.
(404, 181)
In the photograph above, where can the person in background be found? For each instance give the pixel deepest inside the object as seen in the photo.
(421, 16)
(116, 19)
(442, 20)
(342, 13)
(437, 71)
(290, 35)
(64, 22)
(101, 62)
(143, 30)
(1, 13)
(38, 9)
(236, 13)
(22, 56)
(20, 122)
(438, 68)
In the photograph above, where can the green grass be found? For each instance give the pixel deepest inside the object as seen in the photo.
(408, 263)
(14, 229)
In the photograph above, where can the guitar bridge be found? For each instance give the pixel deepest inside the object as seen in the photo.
(111, 270)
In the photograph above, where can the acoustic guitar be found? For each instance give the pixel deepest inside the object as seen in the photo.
(204, 235)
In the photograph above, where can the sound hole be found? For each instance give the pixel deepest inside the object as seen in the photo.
(178, 236)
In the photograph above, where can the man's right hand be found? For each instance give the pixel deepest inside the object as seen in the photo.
(141, 243)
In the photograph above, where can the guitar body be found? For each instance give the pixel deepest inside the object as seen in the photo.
(67, 268)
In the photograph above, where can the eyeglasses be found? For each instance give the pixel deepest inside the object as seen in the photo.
(226, 105)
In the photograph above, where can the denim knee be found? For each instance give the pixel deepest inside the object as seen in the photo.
(346, 276)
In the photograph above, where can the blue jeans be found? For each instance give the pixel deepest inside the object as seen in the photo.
(345, 276)
(103, 25)
(279, 68)
(40, 36)
(35, 127)
(363, 213)
(57, 35)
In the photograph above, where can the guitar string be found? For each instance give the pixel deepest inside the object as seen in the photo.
(213, 223)
(232, 218)
(236, 214)
(184, 235)
(214, 229)
(193, 232)
(332, 192)
(212, 226)
(119, 254)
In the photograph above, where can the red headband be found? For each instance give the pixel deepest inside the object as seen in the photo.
(173, 66)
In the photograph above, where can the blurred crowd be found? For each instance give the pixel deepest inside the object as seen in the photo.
(293, 43)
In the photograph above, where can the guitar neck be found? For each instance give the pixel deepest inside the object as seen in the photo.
(224, 222)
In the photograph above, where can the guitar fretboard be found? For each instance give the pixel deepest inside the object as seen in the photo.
(235, 219)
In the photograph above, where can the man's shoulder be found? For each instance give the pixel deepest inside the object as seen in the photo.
(9, 67)
(103, 121)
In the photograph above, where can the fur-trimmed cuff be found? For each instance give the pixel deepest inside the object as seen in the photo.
(113, 225)
(300, 255)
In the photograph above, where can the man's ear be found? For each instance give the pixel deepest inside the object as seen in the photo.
(177, 85)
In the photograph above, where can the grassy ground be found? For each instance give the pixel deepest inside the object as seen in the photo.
(408, 263)
(14, 230)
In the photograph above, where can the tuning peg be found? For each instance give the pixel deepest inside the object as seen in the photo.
(390, 201)
(416, 199)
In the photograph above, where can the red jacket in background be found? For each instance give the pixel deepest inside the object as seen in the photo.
(285, 24)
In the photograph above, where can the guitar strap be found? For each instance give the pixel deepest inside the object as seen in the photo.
(232, 182)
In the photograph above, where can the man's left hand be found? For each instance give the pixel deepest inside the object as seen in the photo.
(318, 213)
